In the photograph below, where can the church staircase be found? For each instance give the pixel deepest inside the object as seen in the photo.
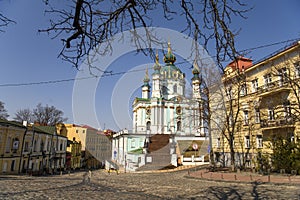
(159, 151)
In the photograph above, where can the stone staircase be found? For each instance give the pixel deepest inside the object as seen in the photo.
(158, 156)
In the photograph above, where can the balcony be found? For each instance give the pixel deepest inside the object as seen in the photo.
(273, 87)
(278, 123)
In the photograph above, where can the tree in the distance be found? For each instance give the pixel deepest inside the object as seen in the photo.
(42, 115)
(3, 111)
(47, 115)
(24, 115)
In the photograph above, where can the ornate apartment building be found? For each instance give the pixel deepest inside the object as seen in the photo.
(261, 102)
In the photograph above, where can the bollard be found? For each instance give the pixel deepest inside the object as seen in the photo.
(201, 175)
(222, 176)
(251, 178)
(235, 177)
(289, 178)
(210, 174)
(189, 172)
(269, 178)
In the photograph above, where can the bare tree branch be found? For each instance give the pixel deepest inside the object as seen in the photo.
(90, 23)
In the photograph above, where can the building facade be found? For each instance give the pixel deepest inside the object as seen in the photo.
(76, 139)
(11, 137)
(31, 149)
(98, 148)
(262, 103)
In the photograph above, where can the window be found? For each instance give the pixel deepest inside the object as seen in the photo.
(8, 143)
(244, 89)
(83, 131)
(254, 85)
(246, 117)
(15, 145)
(175, 88)
(12, 166)
(48, 146)
(26, 147)
(287, 109)
(133, 143)
(271, 115)
(218, 142)
(282, 75)
(259, 141)
(148, 126)
(267, 80)
(42, 146)
(257, 115)
(247, 141)
(34, 146)
(179, 126)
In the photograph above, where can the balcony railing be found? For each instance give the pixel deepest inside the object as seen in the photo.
(269, 87)
(276, 123)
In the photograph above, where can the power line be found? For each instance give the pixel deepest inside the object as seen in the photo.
(106, 74)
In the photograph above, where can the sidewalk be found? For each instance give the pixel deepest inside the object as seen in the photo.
(245, 177)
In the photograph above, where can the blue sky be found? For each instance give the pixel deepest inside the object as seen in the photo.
(27, 56)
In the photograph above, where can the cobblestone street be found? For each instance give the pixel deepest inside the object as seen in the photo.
(173, 185)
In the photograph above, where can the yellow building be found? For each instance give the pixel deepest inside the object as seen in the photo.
(31, 149)
(261, 101)
(76, 143)
(11, 137)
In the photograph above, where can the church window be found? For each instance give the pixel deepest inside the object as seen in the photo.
(148, 125)
(175, 88)
(179, 126)
(178, 110)
(164, 90)
(148, 111)
(133, 143)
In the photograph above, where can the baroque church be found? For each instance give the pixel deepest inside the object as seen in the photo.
(168, 126)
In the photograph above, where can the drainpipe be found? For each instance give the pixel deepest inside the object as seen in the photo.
(21, 157)
(32, 141)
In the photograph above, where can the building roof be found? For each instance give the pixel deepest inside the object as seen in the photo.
(12, 123)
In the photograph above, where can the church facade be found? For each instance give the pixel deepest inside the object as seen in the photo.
(165, 120)
(166, 109)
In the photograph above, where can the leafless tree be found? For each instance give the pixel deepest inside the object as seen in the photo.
(3, 111)
(47, 115)
(24, 115)
(87, 24)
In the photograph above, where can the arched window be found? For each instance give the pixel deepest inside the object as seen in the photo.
(148, 126)
(179, 126)
(42, 146)
(175, 88)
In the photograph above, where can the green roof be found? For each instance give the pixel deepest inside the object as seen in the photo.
(137, 151)
(46, 129)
